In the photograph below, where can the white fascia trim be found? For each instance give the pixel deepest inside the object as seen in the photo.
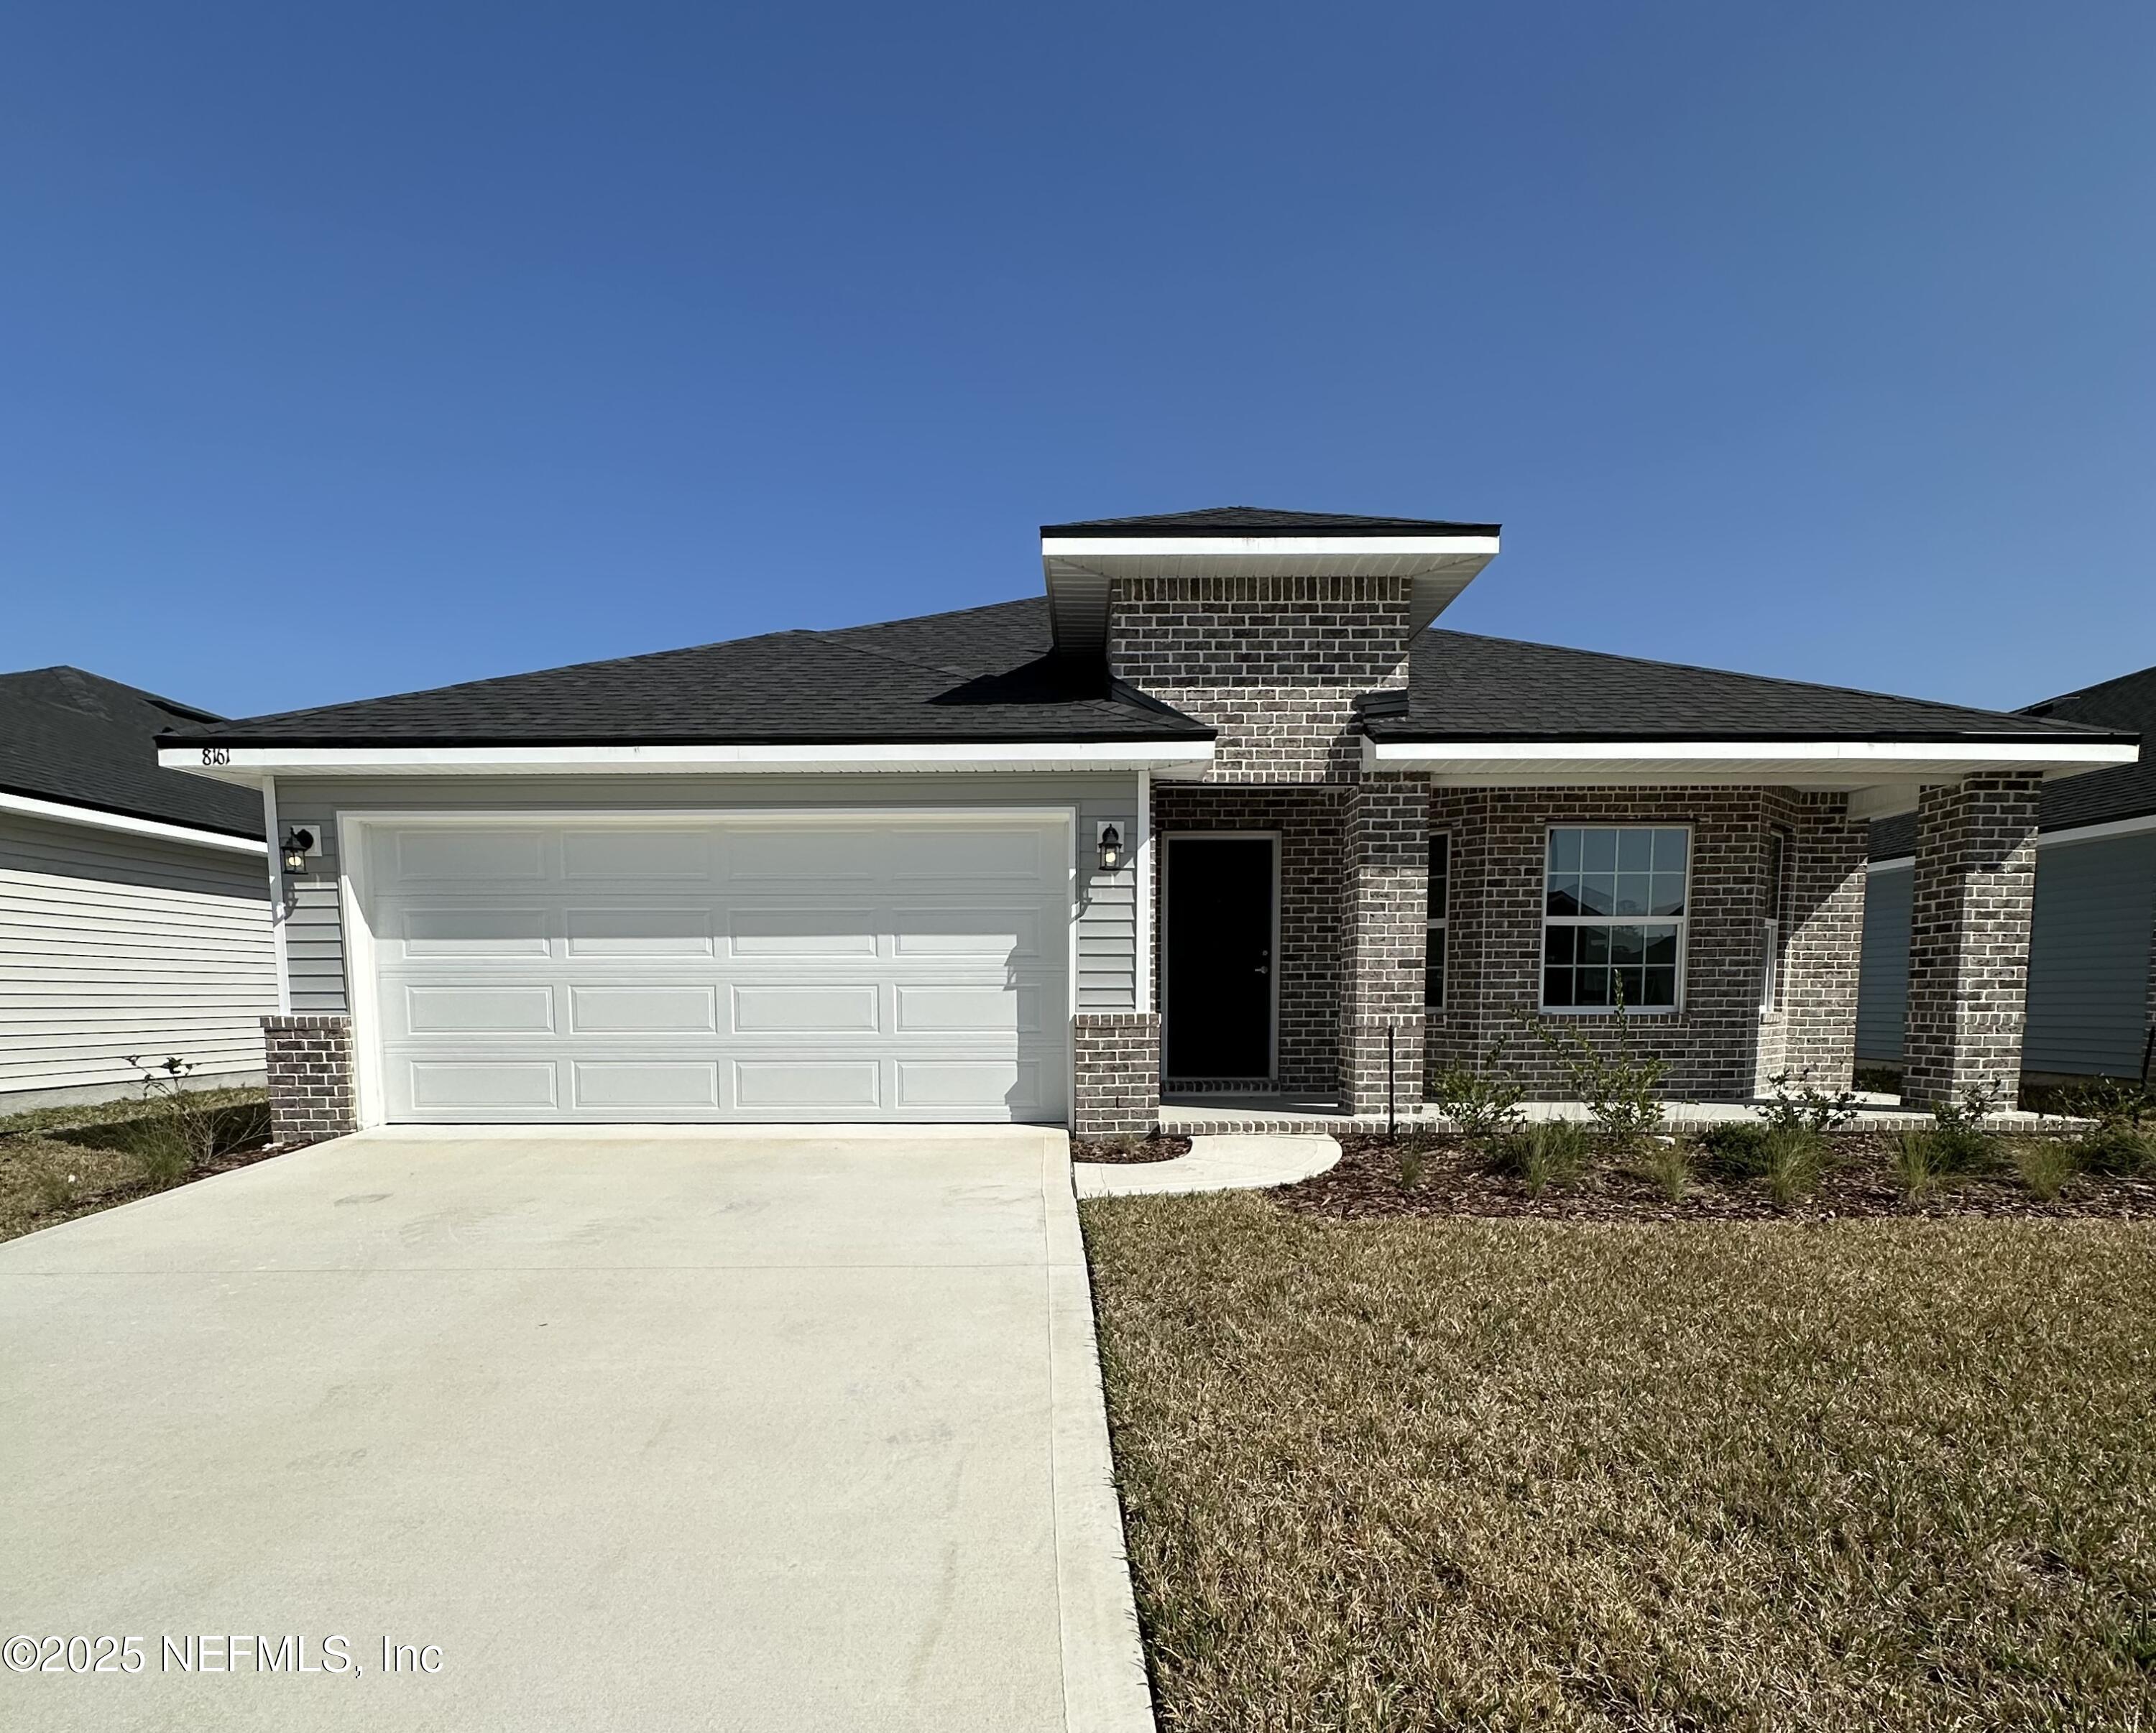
(1215, 547)
(249, 763)
(1853, 754)
(62, 812)
(2141, 825)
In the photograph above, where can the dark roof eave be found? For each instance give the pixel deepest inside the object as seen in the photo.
(452, 742)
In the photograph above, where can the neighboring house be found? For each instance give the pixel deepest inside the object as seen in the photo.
(1173, 825)
(133, 901)
(2092, 951)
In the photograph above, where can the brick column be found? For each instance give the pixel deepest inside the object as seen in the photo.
(1968, 936)
(1385, 903)
(1115, 1085)
(312, 1094)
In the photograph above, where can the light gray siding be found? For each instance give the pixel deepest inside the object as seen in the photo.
(2088, 957)
(1107, 941)
(1883, 998)
(113, 944)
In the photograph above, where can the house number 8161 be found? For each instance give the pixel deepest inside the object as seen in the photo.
(216, 755)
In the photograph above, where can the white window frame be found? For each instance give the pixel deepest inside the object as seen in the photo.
(1437, 919)
(1683, 922)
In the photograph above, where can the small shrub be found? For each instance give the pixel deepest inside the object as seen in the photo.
(1621, 1089)
(2120, 1150)
(1792, 1159)
(52, 1186)
(180, 1132)
(1798, 1101)
(1669, 1167)
(1736, 1148)
(2045, 1165)
(1548, 1153)
(2110, 1101)
(1414, 1160)
(1915, 1162)
(1483, 1100)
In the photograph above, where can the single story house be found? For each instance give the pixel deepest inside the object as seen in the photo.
(1218, 810)
(2092, 946)
(133, 901)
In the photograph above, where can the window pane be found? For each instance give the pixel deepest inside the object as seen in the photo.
(1590, 986)
(1593, 943)
(1557, 944)
(1597, 893)
(1557, 986)
(1633, 892)
(1660, 989)
(1598, 851)
(1636, 850)
(1433, 967)
(1634, 982)
(1440, 862)
(1668, 897)
(1662, 946)
(1564, 851)
(1564, 894)
(1669, 850)
(1628, 945)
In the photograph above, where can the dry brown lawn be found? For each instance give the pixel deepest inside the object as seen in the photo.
(46, 1179)
(1434, 1473)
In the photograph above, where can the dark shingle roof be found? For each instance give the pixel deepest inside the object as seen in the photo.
(2103, 797)
(1464, 687)
(1261, 521)
(983, 673)
(77, 737)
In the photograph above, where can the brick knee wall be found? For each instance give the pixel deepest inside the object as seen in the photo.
(309, 1060)
(1116, 1080)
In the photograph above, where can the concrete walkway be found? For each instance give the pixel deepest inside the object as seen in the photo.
(1214, 1164)
(661, 1428)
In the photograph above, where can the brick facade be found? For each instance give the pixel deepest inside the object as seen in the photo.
(1968, 936)
(1385, 882)
(311, 1095)
(1115, 1062)
(1274, 664)
(1718, 1044)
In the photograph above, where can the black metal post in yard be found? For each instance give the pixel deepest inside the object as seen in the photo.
(1391, 1112)
(2148, 1052)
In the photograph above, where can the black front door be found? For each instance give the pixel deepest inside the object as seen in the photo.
(1217, 1003)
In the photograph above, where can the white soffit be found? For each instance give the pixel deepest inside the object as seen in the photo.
(1843, 765)
(62, 812)
(1078, 569)
(251, 764)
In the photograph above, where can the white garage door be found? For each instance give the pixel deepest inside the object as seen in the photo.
(750, 968)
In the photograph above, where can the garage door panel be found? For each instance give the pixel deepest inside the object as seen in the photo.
(644, 1008)
(849, 1006)
(479, 1010)
(629, 930)
(644, 976)
(642, 1086)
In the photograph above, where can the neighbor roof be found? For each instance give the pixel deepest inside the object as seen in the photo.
(979, 674)
(1462, 687)
(1263, 520)
(82, 740)
(2103, 797)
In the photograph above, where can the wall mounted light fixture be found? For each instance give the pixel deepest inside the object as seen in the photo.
(1112, 848)
(297, 846)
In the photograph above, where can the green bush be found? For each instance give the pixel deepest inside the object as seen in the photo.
(1960, 1144)
(1792, 1159)
(1797, 1102)
(1736, 1148)
(2118, 1150)
(1481, 1099)
(1622, 1089)
(1548, 1153)
(2045, 1165)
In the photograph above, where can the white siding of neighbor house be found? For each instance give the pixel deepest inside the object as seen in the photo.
(1882, 996)
(113, 944)
(1107, 928)
(2088, 957)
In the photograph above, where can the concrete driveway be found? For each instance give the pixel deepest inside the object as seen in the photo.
(665, 1429)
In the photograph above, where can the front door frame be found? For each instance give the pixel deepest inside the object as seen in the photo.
(1168, 840)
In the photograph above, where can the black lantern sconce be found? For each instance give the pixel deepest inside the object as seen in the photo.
(1112, 848)
(297, 845)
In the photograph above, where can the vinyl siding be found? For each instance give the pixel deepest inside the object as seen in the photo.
(113, 945)
(313, 936)
(2088, 957)
(1883, 998)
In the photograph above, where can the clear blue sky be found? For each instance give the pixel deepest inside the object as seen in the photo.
(350, 349)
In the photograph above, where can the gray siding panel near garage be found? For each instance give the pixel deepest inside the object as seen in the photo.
(113, 944)
(1882, 999)
(1108, 925)
(2088, 957)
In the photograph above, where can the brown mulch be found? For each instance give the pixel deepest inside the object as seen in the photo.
(1456, 1181)
(1153, 1148)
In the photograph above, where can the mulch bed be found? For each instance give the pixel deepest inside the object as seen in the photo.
(1455, 1180)
(1154, 1148)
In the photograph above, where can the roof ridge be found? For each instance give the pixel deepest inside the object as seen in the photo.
(1777, 679)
